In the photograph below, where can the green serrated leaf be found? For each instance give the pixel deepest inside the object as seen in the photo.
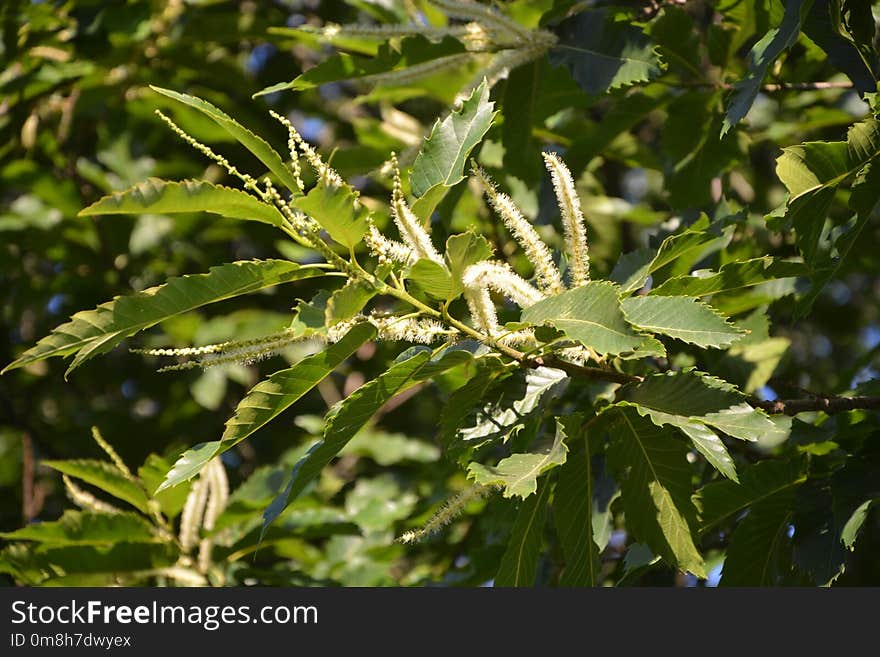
(348, 301)
(732, 276)
(656, 489)
(409, 52)
(632, 270)
(520, 560)
(689, 399)
(271, 397)
(762, 55)
(759, 553)
(105, 476)
(338, 210)
(812, 171)
(256, 145)
(573, 509)
(481, 411)
(858, 61)
(518, 474)
(95, 332)
(432, 278)
(441, 162)
(590, 314)
(603, 53)
(84, 528)
(349, 416)
(462, 251)
(684, 318)
(723, 501)
(161, 196)
(189, 464)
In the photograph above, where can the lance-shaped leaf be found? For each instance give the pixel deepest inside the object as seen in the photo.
(441, 162)
(656, 489)
(573, 509)
(338, 210)
(85, 528)
(414, 53)
(348, 301)
(590, 314)
(519, 473)
(732, 276)
(849, 45)
(759, 553)
(520, 560)
(724, 501)
(432, 278)
(762, 55)
(350, 415)
(105, 476)
(812, 171)
(163, 197)
(602, 53)
(189, 464)
(479, 411)
(462, 251)
(268, 399)
(684, 318)
(696, 404)
(256, 145)
(683, 248)
(94, 332)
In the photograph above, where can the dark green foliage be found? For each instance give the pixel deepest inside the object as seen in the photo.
(723, 156)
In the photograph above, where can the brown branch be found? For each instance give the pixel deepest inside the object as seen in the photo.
(828, 405)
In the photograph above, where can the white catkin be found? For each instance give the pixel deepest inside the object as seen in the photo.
(473, 11)
(410, 329)
(498, 276)
(237, 351)
(384, 32)
(85, 500)
(546, 272)
(221, 161)
(191, 516)
(572, 219)
(109, 451)
(416, 72)
(386, 250)
(482, 309)
(296, 141)
(411, 230)
(448, 512)
(214, 475)
(292, 136)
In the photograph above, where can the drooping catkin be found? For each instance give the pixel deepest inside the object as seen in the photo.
(191, 516)
(109, 451)
(248, 180)
(411, 230)
(487, 16)
(85, 500)
(447, 513)
(498, 276)
(388, 250)
(547, 274)
(218, 494)
(572, 219)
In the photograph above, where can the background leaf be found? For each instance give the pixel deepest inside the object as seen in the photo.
(520, 559)
(603, 53)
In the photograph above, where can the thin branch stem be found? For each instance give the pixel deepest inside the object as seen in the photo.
(825, 404)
